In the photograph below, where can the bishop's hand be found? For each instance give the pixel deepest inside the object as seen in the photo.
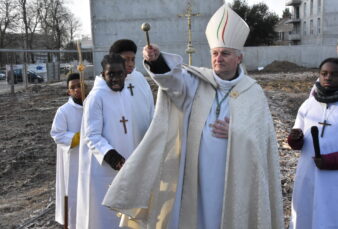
(220, 129)
(151, 53)
(114, 159)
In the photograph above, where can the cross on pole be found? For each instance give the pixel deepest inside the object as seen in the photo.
(123, 121)
(324, 125)
(189, 14)
(131, 89)
(81, 67)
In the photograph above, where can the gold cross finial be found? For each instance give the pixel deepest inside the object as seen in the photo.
(81, 67)
(189, 14)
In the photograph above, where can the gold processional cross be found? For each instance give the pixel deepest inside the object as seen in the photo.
(188, 14)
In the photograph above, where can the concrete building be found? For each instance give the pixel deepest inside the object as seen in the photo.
(284, 31)
(315, 22)
(113, 20)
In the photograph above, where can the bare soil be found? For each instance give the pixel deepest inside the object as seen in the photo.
(283, 66)
(27, 152)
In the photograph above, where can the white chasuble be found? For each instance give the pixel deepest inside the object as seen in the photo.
(67, 122)
(104, 127)
(314, 198)
(165, 165)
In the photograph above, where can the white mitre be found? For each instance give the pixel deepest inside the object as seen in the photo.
(226, 29)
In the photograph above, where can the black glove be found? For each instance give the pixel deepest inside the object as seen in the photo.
(296, 139)
(158, 66)
(114, 159)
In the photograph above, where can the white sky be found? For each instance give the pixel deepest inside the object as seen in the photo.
(81, 10)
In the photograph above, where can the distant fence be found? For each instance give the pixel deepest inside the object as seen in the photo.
(22, 67)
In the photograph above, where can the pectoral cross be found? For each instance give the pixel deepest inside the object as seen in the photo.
(131, 89)
(324, 125)
(123, 120)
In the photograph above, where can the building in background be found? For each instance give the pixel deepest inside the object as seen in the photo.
(315, 22)
(113, 20)
(118, 19)
(284, 31)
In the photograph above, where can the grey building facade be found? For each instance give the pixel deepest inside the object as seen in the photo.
(315, 22)
(118, 19)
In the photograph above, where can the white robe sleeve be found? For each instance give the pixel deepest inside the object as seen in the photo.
(59, 131)
(299, 123)
(93, 126)
(177, 83)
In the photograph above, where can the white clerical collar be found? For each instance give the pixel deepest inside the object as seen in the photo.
(225, 85)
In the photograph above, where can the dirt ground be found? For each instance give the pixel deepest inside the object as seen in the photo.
(27, 152)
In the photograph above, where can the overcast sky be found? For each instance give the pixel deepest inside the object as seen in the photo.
(81, 10)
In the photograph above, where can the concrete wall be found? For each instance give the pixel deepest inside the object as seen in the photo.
(112, 20)
(330, 22)
(302, 55)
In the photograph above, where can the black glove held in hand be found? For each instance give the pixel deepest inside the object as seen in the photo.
(296, 139)
(114, 159)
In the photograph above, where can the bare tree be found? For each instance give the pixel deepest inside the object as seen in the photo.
(8, 16)
(56, 21)
(30, 17)
(73, 26)
(47, 23)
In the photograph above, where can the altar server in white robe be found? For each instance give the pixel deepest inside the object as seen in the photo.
(209, 159)
(106, 142)
(315, 193)
(66, 134)
(141, 95)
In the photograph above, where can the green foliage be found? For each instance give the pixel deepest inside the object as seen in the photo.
(260, 21)
(286, 13)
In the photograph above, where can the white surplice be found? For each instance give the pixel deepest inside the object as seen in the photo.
(315, 199)
(67, 122)
(142, 103)
(102, 130)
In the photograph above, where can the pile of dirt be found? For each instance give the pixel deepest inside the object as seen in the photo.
(283, 66)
